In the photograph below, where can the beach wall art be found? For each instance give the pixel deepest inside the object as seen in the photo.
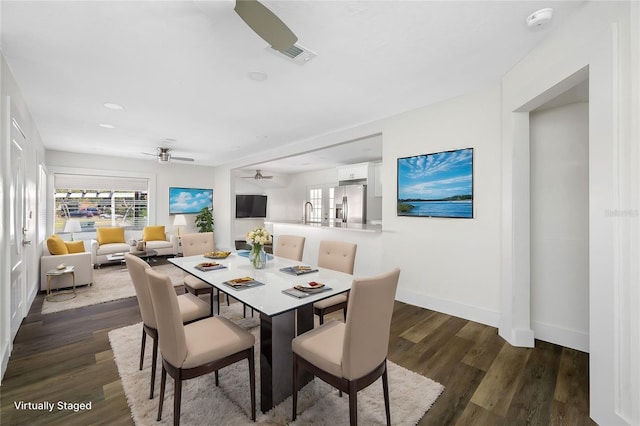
(436, 185)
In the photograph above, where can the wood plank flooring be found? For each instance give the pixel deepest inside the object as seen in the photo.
(66, 357)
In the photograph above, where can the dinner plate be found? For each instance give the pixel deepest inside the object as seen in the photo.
(310, 286)
(217, 254)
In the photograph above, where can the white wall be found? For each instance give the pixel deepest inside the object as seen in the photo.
(601, 37)
(559, 150)
(450, 265)
(11, 98)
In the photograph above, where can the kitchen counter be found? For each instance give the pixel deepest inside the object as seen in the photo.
(358, 227)
(367, 237)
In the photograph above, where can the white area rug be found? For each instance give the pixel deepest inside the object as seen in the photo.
(109, 283)
(203, 403)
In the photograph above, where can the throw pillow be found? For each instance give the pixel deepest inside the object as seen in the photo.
(56, 246)
(110, 235)
(75, 246)
(153, 233)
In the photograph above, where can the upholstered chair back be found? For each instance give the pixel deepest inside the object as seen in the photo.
(289, 246)
(173, 345)
(197, 243)
(337, 255)
(137, 267)
(368, 324)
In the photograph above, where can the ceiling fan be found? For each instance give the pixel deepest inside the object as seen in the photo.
(164, 156)
(266, 24)
(258, 176)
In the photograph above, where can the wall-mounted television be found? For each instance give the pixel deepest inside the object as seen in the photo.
(189, 200)
(436, 185)
(254, 206)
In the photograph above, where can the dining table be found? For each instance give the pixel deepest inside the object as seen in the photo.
(284, 312)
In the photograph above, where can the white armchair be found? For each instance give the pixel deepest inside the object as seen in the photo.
(83, 269)
(166, 247)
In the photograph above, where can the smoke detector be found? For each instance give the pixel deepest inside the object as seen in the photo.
(540, 17)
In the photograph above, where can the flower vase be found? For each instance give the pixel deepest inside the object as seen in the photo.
(258, 257)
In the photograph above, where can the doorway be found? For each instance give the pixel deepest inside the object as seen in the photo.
(17, 226)
(559, 219)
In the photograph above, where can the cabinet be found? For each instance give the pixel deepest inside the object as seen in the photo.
(353, 172)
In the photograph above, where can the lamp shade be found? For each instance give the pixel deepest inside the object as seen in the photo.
(72, 226)
(179, 220)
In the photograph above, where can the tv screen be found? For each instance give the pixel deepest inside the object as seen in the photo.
(436, 185)
(251, 206)
(189, 200)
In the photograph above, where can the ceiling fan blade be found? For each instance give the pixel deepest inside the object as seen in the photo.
(182, 158)
(148, 153)
(266, 24)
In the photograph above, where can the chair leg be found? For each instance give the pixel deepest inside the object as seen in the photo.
(217, 378)
(177, 398)
(144, 342)
(344, 311)
(385, 391)
(252, 383)
(217, 301)
(163, 381)
(294, 392)
(154, 361)
(353, 404)
(321, 315)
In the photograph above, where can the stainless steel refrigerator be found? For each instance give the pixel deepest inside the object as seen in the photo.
(350, 202)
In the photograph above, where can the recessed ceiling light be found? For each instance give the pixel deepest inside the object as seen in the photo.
(258, 76)
(111, 105)
(107, 126)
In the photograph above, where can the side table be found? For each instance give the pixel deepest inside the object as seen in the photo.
(57, 273)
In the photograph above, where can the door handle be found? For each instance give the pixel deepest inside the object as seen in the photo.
(26, 242)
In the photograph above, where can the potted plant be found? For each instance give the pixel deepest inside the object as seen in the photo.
(204, 220)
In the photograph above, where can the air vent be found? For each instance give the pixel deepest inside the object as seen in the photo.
(292, 52)
(296, 53)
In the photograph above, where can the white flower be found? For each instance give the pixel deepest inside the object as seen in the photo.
(258, 236)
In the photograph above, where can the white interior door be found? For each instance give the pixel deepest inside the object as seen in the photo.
(17, 227)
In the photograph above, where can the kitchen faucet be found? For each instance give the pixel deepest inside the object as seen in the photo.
(307, 211)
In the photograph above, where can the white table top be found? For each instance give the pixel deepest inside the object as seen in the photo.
(268, 298)
(65, 270)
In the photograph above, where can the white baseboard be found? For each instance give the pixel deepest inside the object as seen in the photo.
(468, 312)
(4, 358)
(522, 338)
(561, 336)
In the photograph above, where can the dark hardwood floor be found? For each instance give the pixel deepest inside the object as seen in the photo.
(66, 357)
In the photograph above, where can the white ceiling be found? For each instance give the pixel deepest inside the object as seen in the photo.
(181, 69)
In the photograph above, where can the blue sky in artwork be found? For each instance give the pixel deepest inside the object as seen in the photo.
(184, 200)
(436, 176)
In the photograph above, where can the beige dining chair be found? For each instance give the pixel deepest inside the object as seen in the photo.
(352, 355)
(191, 309)
(339, 256)
(289, 246)
(199, 348)
(194, 244)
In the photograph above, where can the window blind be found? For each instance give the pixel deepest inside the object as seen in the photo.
(100, 183)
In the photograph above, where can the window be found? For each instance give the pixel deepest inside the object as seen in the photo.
(98, 201)
(322, 199)
(315, 197)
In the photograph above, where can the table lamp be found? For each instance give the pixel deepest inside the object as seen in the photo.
(179, 220)
(72, 226)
